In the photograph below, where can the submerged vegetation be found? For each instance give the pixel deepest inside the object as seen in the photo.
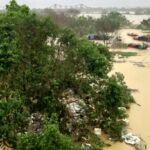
(54, 87)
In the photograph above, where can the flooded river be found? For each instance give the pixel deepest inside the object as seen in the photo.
(137, 76)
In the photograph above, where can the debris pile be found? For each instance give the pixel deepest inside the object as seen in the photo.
(131, 139)
(135, 141)
(74, 109)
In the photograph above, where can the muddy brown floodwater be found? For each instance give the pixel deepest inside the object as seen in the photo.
(136, 70)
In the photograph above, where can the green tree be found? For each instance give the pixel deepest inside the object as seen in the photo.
(41, 61)
(145, 24)
(13, 117)
(110, 23)
(116, 99)
(50, 139)
(82, 25)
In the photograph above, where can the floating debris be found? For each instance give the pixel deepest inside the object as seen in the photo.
(135, 141)
(131, 139)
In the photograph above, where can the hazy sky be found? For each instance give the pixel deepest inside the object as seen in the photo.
(95, 3)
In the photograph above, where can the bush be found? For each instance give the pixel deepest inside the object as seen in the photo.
(13, 118)
(49, 139)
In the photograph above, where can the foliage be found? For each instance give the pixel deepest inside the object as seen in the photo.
(13, 117)
(49, 139)
(145, 24)
(97, 58)
(96, 143)
(83, 26)
(115, 96)
(79, 24)
(8, 46)
(110, 22)
(39, 62)
(86, 25)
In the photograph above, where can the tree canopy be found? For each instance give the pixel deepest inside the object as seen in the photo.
(111, 22)
(145, 24)
(47, 70)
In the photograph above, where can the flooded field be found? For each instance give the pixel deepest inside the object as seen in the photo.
(136, 70)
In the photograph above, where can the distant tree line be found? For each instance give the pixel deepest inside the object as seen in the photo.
(86, 25)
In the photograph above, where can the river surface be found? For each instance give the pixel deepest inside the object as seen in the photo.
(137, 76)
(135, 19)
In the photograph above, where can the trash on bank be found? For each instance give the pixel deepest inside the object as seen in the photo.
(135, 141)
(131, 139)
